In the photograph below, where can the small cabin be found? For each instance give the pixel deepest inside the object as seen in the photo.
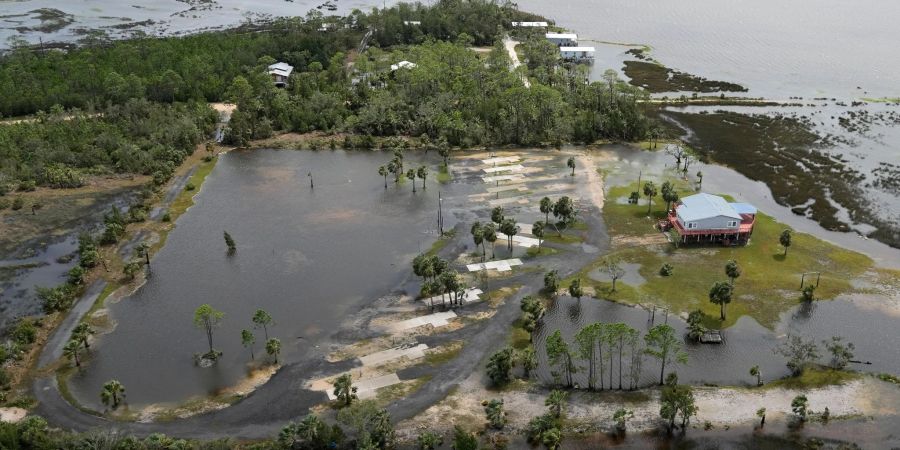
(530, 24)
(562, 39)
(709, 218)
(280, 73)
(576, 53)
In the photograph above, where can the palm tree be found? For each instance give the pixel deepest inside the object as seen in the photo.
(273, 348)
(489, 232)
(478, 237)
(411, 176)
(81, 333)
(112, 393)
(556, 402)
(732, 270)
(650, 192)
(510, 229)
(754, 372)
(262, 319)
(383, 171)
(546, 208)
(422, 173)
(497, 215)
(571, 164)
(575, 289)
(247, 340)
(344, 389)
(71, 351)
(720, 294)
(538, 231)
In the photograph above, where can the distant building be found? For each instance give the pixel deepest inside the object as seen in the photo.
(530, 24)
(280, 73)
(411, 22)
(403, 65)
(576, 53)
(710, 218)
(562, 39)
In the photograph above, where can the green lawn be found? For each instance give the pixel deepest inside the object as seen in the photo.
(815, 377)
(768, 286)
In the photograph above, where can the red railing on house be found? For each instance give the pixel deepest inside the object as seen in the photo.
(746, 226)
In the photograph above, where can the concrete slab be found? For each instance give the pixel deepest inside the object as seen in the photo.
(496, 178)
(514, 168)
(504, 265)
(501, 160)
(504, 188)
(523, 241)
(394, 353)
(469, 295)
(367, 387)
(436, 320)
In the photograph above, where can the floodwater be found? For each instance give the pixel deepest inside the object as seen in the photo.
(47, 268)
(307, 256)
(22, 19)
(776, 49)
(747, 343)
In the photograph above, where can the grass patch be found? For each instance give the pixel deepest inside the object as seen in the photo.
(186, 198)
(519, 338)
(815, 377)
(440, 243)
(882, 99)
(388, 394)
(564, 239)
(443, 354)
(655, 77)
(769, 283)
(444, 175)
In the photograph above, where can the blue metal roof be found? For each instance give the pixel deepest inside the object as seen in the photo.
(744, 208)
(703, 206)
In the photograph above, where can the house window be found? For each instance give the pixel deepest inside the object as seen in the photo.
(691, 225)
(732, 224)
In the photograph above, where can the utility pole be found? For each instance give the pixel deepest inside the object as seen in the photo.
(440, 213)
(311, 186)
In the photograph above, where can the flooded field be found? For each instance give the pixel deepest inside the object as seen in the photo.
(53, 21)
(747, 343)
(308, 257)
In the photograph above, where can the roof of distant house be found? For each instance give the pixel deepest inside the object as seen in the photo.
(529, 24)
(403, 65)
(703, 206)
(281, 68)
(572, 36)
(576, 49)
(744, 208)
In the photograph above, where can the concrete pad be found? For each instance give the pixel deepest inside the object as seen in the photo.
(509, 187)
(469, 296)
(500, 160)
(504, 265)
(436, 320)
(366, 387)
(523, 241)
(496, 178)
(508, 201)
(393, 353)
(498, 169)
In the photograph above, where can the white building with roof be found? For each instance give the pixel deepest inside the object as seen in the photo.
(530, 24)
(403, 65)
(562, 39)
(280, 73)
(576, 53)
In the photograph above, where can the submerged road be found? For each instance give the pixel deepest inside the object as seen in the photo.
(283, 398)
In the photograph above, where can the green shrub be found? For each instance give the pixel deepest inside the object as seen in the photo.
(25, 332)
(666, 270)
(18, 203)
(27, 186)
(167, 217)
(190, 187)
(5, 203)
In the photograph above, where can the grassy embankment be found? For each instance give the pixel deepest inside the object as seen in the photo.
(770, 281)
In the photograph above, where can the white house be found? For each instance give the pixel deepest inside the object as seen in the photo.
(412, 22)
(530, 24)
(576, 53)
(280, 72)
(403, 65)
(562, 39)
